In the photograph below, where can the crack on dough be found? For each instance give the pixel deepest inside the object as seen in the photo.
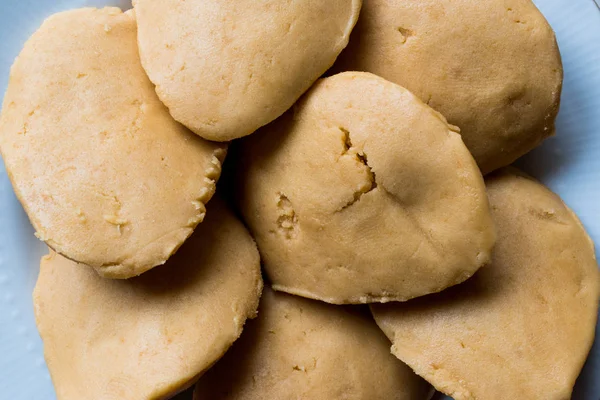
(287, 222)
(114, 218)
(349, 149)
(304, 368)
(405, 34)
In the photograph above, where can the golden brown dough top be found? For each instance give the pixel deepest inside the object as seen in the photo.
(492, 67)
(363, 194)
(303, 349)
(522, 327)
(148, 337)
(106, 176)
(227, 67)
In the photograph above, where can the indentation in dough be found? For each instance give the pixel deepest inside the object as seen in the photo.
(405, 34)
(25, 129)
(287, 222)
(81, 215)
(518, 100)
(516, 20)
(546, 215)
(141, 109)
(362, 158)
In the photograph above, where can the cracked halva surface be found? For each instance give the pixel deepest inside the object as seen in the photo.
(226, 68)
(491, 67)
(522, 327)
(362, 193)
(106, 176)
(148, 337)
(304, 349)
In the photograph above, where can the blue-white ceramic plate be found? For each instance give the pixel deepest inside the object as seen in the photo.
(568, 163)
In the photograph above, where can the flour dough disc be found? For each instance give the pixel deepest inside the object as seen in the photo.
(492, 67)
(522, 327)
(227, 67)
(148, 337)
(106, 176)
(363, 194)
(303, 349)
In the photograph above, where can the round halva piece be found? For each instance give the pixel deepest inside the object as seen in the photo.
(303, 349)
(492, 67)
(362, 194)
(149, 337)
(226, 68)
(522, 327)
(106, 176)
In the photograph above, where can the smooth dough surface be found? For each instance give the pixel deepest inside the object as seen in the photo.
(522, 327)
(491, 67)
(106, 176)
(148, 337)
(303, 349)
(363, 194)
(226, 68)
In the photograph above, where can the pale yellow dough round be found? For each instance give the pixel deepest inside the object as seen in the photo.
(522, 327)
(148, 337)
(363, 194)
(106, 176)
(492, 67)
(303, 349)
(227, 67)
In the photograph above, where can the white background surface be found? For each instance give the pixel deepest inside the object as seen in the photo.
(568, 163)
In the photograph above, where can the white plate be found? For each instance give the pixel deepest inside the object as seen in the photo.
(568, 163)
